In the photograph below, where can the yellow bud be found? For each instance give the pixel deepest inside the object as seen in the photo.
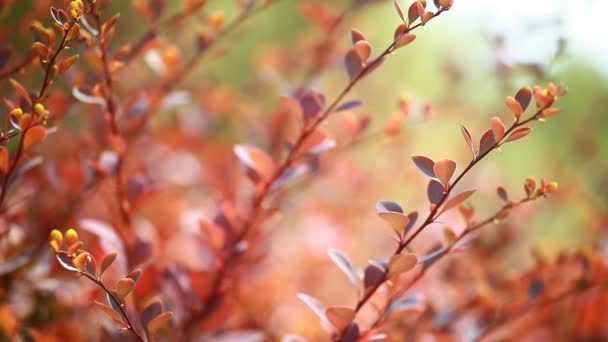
(39, 108)
(551, 187)
(54, 246)
(71, 237)
(56, 236)
(17, 112)
(74, 6)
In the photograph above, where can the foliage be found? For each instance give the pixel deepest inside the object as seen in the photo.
(182, 193)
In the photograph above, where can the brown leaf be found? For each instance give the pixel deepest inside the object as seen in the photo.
(124, 287)
(159, 321)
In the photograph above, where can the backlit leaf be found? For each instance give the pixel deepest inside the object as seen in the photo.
(356, 35)
(124, 287)
(404, 39)
(150, 312)
(444, 170)
(519, 133)
(397, 221)
(401, 263)
(21, 90)
(498, 128)
(86, 97)
(364, 50)
(456, 200)
(34, 135)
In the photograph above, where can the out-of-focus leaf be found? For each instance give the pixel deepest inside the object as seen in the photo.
(388, 206)
(107, 261)
(352, 333)
(399, 10)
(110, 312)
(292, 106)
(124, 287)
(340, 317)
(159, 321)
(344, 263)
(256, 161)
(401, 263)
(152, 310)
(315, 306)
(349, 105)
(408, 302)
(373, 276)
(21, 90)
(85, 97)
(353, 63)
(5, 56)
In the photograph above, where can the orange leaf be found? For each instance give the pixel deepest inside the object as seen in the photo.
(364, 49)
(159, 321)
(34, 135)
(21, 90)
(456, 200)
(404, 40)
(401, 263)
(444, 170)
(498, 128)
(519, 133)
(4, 159)
(256, 161)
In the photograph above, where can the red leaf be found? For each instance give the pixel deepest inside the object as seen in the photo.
(487, 142)
(404, 39)
(21, 90)
(519, 133)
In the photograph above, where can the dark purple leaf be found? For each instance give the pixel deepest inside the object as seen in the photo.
(390, 206)
(373, 276)
(353, 63)
(349, 105)
(5, 55)
(425, 165)
(434, 191)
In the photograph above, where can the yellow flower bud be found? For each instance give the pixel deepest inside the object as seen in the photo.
(56, 236)
(551, 187)
(39, 108)
(71, 237)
